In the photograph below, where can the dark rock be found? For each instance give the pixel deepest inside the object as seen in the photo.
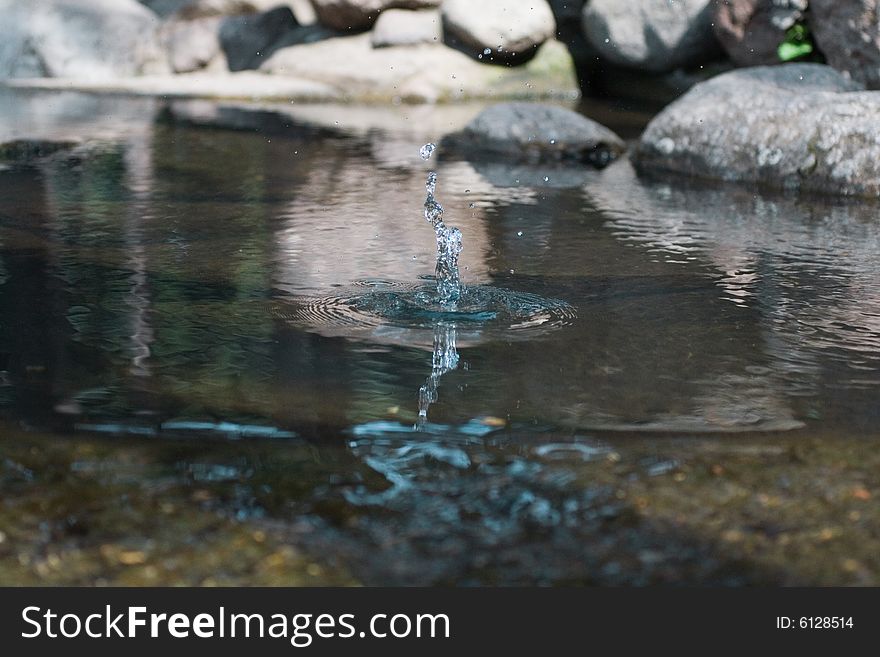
(750, 31)
(651, 35)
(359, 15)
(848, 34)
(511, 31)
(535, 132)
(798, 127)
(250, 40)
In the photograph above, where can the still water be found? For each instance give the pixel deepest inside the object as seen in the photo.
(182, 280)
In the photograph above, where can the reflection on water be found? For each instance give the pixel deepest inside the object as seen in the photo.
(194, 279)
(443, 359)
(174, 287)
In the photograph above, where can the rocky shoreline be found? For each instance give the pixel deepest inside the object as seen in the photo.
(760, 103)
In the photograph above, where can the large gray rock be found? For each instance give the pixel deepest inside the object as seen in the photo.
(652, 35)
(86, 39)
(402, 27)
(249, 40)
(423, 73)
(510, 30)
(750, 31)
(799, 126)
(848, 34)
(359, 15)
(535, 132)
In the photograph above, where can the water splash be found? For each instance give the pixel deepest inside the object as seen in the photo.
(449, 287)
(444, 359)
(447, 312)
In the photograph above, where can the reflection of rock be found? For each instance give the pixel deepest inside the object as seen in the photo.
(536, 132)
(28, 150)
(90, 39)
(424, 72)
(70, 118)
(556, 175)
(651, 35)
(347, 224)
(512, 31)
(808, 266)
(798, 126)
(401, 27)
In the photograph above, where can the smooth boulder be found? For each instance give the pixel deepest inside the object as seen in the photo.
(797, 127)
(510, 31)
(359, 15)
(535, 132)
(848, 34)
(423, 73)
(403, 27)
(750, 31)
(652, 35)
(83, 39)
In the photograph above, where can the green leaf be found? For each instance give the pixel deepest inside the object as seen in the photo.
(788, 51)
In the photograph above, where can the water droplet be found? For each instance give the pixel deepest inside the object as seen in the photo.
(607, 40)
(427, 151)
(546, 178)
(519, 233)
(472, 205)
(552, 141)
(487, 51)
(512, 271)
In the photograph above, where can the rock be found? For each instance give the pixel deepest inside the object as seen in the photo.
(192, 44)
(848, 34)
(359, 15)
(535, 132)
(423, 73)
(88, 39)
(512, 31)
(750, 31)
(401, 27)
(249, 40)
(652, 35)
(798, 127)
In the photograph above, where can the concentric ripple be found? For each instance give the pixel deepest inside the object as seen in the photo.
(396, 312)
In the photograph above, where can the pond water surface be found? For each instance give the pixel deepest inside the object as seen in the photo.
(707, 411)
